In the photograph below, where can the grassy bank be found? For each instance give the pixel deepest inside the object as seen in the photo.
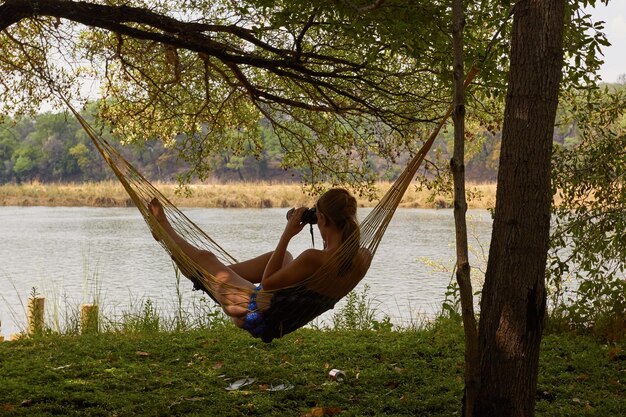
(112, 194)
(406, 373)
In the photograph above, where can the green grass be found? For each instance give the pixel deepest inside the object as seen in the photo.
(404, 373)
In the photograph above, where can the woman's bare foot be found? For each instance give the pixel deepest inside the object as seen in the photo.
(156, 208)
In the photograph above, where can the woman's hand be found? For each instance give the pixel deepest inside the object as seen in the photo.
(294, 222)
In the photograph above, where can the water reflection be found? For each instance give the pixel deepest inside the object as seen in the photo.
(72, 254)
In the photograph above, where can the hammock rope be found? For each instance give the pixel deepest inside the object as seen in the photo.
(330, 282)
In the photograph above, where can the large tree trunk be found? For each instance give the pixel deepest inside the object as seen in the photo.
(513, 300)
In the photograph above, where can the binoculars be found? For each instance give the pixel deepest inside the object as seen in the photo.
(308, 217)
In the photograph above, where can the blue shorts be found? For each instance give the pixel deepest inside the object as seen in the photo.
(254, 322)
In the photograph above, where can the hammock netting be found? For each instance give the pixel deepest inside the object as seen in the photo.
(292, 307)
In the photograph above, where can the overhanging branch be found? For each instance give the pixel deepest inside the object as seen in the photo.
(333, 83)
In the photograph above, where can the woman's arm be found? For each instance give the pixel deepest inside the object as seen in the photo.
(294, 272)
(275, 275)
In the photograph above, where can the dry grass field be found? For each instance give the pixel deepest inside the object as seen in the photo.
(232, 195)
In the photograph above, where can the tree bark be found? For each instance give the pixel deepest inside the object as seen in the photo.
(514, 301)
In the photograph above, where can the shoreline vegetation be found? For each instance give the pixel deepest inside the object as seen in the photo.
(225, 195)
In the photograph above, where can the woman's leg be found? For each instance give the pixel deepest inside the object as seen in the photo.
(252, 269)
(230, 289)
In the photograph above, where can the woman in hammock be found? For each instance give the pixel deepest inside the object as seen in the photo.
(236, 287)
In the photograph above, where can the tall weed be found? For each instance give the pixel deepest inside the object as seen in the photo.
(142, 318)
(358, 313)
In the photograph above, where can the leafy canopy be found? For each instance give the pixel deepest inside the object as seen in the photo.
(337, 80)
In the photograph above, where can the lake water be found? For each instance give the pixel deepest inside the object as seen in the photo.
(71, 255)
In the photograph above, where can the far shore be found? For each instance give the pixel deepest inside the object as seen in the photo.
(227, 195)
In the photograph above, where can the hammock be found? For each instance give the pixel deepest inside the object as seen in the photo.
(290, 308)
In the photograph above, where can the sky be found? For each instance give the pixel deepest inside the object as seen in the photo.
(614, 16)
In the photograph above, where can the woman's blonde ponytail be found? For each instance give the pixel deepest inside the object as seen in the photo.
(340, 207)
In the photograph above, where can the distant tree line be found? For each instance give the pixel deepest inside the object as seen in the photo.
(52, 147)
